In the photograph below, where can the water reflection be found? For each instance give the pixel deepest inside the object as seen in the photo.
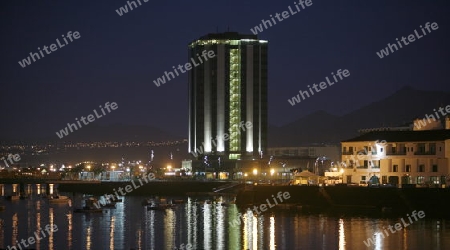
(272, 233)
(69, 229)
(341, 235)
(220, 229)
(51, 223)
(38, 224)
(169, 226)
(204, 225)
(111, 233)
(15, 230)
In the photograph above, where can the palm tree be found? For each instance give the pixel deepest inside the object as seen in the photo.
(98, 169)
(75, 171)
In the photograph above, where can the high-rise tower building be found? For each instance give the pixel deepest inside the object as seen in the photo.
(228, 96)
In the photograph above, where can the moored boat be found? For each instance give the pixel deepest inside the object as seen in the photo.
(91, 206)
(58, 199)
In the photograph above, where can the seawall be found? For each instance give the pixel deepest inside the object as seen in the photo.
(342, 199)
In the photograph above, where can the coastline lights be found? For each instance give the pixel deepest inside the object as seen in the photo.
(169, 170)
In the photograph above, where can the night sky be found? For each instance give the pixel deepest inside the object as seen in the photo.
(117, 57)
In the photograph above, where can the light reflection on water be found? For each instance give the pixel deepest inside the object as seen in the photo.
(341, 235)
(203, 225)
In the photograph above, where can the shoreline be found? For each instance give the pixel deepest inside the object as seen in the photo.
(310, 199)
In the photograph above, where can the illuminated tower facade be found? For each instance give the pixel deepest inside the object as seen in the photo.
(228, 96)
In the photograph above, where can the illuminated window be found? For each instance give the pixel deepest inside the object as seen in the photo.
(420, 180)
(235, 100)
(384, 179)
(234, 156)
(434, 180)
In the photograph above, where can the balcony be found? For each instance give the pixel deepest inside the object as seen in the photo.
(425, 153)
(347, 153)
(396, 153)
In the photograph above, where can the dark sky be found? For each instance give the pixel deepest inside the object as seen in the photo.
(118, 57)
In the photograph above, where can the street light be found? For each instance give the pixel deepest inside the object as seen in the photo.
(89, 171)
(284, 170)
(129, 172)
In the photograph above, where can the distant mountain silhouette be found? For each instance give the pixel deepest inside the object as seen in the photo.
(316, 128)
(320, 127)
(119, 133)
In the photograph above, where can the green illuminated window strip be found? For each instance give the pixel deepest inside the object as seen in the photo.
(235, 102)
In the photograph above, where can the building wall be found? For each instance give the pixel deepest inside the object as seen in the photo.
(418, 163)
(333, 153)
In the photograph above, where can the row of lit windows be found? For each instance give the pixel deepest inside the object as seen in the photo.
(411, 180)
(227, 41)
(420, 168)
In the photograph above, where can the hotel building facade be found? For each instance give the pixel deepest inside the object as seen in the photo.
(227, 92)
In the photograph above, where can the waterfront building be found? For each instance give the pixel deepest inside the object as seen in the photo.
(398, 158)
(331, 153)
(228, 97)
